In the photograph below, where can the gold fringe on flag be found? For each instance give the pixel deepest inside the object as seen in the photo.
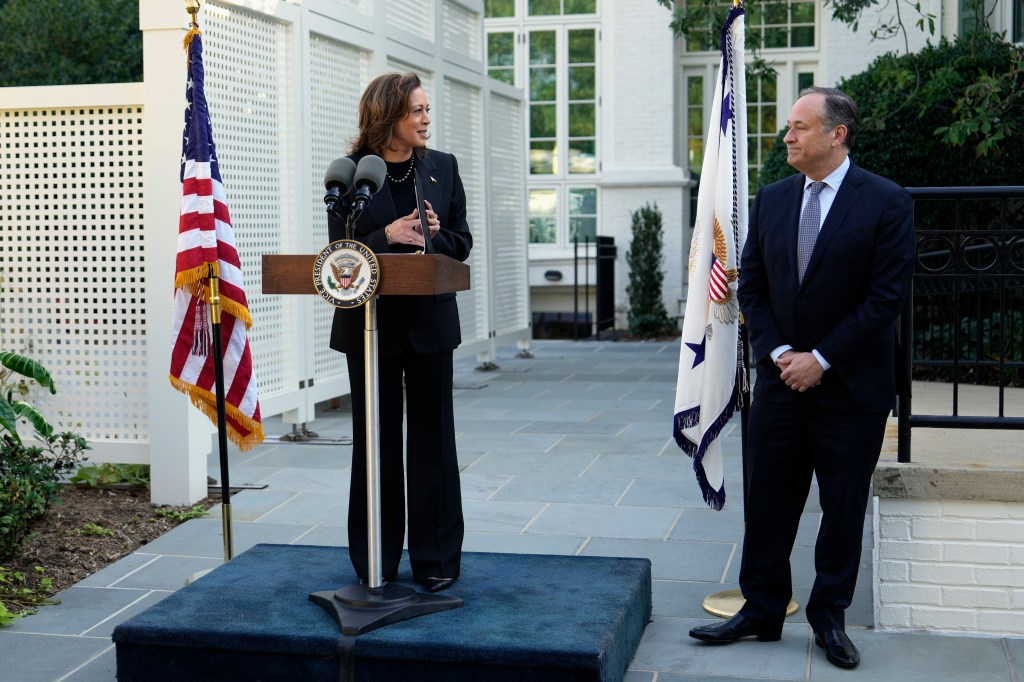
(206, 402)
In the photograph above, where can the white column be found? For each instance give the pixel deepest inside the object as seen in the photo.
(180, 435)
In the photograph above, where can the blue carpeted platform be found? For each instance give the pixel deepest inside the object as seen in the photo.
(526, 617)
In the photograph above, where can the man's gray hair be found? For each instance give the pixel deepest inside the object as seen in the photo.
(838, 109)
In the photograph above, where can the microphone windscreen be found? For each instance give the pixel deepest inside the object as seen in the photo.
(371, 169)
(341, 171)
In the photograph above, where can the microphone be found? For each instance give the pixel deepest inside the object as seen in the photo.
(338, 181)
(369, 179)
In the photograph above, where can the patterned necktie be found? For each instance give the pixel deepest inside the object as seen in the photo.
(810, 223)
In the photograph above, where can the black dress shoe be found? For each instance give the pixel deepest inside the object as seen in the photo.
(839, 650)
(438, 584)
(737, 627)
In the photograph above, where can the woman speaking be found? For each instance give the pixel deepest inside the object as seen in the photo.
(416, 338)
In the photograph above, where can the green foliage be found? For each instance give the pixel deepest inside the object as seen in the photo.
(984, 339)
(962, 101)
(195, 512)
(95, 476)
(58, 42)
(11, 409)
(29, 477)
(647, 316)
(16, 599)
(94, 530)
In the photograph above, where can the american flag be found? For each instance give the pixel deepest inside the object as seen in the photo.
(710, 359)
(206, 244)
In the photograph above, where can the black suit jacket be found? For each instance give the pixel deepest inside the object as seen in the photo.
(430, 324)
(857, 281)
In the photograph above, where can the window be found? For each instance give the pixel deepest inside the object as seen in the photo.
(695, 132)
(543, 210)
(1018, 21)
(550, 48)
(779, 23)
(582, 214)
(501, 63)
(762, 123)
(540, 8)
(499, 8)
(804, 80)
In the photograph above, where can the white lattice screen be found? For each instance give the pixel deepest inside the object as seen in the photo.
(510, 289)
(463, 131)
(247, 58)
(73, 288)
(361, 6)
(338, 74)
(461, 30)
(414, 16)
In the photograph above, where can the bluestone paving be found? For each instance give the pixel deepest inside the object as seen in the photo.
(568, 453)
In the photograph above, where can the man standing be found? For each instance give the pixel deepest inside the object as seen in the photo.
(825, 271)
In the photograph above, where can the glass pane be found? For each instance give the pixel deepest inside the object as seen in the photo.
(542, 84)
(542, 230)
(768, 88)
(580, 6)
(802, 13)
(580, 228)
(581, 82)
(768, 122)
(542, 120)
(542, 47)
(499, 8)
(543, 157)
(581, 46)
(582, 156)
(804, 80)
(582, 120)
(695, 155)
(500, 49)
(503, 75)
(695, 90)
(775, 12)
(752, 126)
(767, 145)
(752, 14)
(695, 122)
(537, 8)
(775, 37)
(803, 36)
(583, 200)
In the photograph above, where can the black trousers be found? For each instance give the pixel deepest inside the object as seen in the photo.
(436, 526)
(786, 445)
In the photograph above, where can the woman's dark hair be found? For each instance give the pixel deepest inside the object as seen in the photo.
(384, 102)
(838, 109)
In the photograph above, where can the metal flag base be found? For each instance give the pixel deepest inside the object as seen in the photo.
(727, 604)
(360, 608)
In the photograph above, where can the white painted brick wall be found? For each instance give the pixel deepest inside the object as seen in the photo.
(949, 565)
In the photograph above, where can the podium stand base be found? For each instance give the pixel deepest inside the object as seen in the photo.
(727, 603)
(359, 609)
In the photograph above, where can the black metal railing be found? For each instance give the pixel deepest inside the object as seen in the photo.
(604, 272)
(965, 320)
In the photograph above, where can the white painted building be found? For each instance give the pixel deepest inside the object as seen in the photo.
(618, 113)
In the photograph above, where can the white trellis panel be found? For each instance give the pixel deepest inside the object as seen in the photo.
(415, 16)
(461, 30)
(72, 276)
(507, 275)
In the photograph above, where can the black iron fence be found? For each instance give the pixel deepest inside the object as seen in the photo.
(965, 320)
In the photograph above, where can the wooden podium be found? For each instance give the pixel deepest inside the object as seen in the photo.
(361, 608)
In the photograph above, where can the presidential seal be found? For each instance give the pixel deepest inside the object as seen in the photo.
(345, 274)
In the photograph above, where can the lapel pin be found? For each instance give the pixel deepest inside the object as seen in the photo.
(433, 180)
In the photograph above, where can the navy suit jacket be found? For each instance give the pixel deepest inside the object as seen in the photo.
(429, 324)
(859, 276)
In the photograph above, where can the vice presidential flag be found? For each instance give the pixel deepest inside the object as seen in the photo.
(206, 246)
(710, 359)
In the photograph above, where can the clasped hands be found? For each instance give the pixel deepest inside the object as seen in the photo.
(407, 229)
(800, 371)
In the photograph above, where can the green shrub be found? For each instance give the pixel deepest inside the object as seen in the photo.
(647, 315)
(112, 474)
(29, 479)
(902, 121)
